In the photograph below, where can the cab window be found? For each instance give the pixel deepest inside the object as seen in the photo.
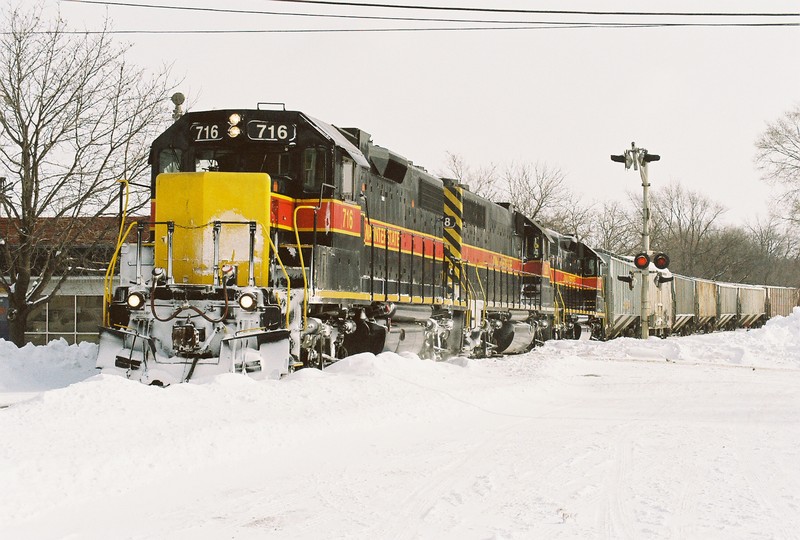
(216, 160)
(169, 160)
(313, 168)
(348, 178)
(273, 163)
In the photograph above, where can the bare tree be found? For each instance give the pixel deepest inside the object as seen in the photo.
(536, 189)
(482, 181)
(685, 221)
(616, 229)
(730, 255)
(75, 118)
(776, 246)
(570, 216)
(778, 157)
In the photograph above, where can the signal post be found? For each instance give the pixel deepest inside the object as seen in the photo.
(639, 158)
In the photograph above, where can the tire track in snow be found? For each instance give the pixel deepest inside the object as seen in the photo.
(474, 467)
(412, 511)
(617, 519)
(779, 515)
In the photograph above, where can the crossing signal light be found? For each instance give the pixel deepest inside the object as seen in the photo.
(661, 261)
(641, 261)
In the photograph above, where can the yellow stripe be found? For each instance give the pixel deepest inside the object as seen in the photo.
(450, 212)
(453, 197)
(342, 295)
(313, 202)
(419, 234)
(321, 230)
(382, 224)
(403, 298)
(316, 201)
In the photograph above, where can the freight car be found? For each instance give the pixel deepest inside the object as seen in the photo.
(624, 300)
(781, 301)
(278, 241)
(702, 305)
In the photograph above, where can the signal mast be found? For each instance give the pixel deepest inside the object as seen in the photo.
(639, 158)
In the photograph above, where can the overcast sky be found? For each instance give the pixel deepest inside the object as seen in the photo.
(570, 97)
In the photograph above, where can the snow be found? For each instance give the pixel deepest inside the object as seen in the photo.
(693, 437)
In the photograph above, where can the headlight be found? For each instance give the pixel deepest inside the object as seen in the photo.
(247, 301)
(234, 131)
(234, 119)
(135, 300)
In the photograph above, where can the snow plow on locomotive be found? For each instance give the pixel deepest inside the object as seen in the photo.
(278, 241)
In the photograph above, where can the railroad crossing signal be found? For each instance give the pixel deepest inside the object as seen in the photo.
(661, 261)
(641, 261)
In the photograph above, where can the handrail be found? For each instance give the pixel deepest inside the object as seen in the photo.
(470, 292)
(483, 291)
(124, 210)
(302, 263)
(109, 277)
(557, 314)
(288, 281)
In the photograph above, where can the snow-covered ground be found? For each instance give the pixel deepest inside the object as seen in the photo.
(695, 437)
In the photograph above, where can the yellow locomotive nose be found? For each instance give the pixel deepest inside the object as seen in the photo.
(195, 201)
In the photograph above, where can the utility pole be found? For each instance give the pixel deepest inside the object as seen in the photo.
(639, 158)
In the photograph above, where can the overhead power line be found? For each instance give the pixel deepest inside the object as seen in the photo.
(538, 11)
(448, 8)
(478, 24)
(316, 15)
(385, 30)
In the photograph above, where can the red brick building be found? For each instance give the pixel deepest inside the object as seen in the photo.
(76, 311)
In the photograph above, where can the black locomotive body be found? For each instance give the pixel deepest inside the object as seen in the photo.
(348, 247)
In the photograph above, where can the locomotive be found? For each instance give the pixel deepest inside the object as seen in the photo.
(277, 241)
